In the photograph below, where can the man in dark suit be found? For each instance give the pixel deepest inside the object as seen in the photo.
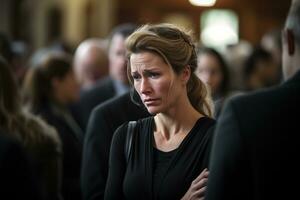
(114, 85)
(255, 154)
(17, 179)
(104, 120)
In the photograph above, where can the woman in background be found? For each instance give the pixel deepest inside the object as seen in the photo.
(39, 139)
(213, 71)
(50, 87)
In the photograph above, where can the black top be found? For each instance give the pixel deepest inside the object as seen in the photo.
(161, 160)
(135, 181)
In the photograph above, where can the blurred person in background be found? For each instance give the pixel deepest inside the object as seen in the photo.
(49, 88)
(90, 62)
(213, 71)
(14, 53)
(115, 84)
(39, 139)
(260, 70)
(271, 41)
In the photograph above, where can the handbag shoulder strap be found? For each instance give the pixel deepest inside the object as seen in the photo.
(129, 138)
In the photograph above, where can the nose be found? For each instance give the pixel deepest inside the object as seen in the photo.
(145, 87)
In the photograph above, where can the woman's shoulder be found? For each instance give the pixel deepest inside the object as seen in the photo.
(141, 124)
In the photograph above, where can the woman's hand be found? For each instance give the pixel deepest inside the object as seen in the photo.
(197, 188)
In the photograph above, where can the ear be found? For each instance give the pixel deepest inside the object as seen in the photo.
(185, 74)
(290, 39)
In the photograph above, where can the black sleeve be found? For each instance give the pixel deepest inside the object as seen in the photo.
(226, 158)
(117, 165)
(96, 148)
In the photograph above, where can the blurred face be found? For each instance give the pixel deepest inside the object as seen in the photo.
(91, 66)
(209, 71)
(156, 83)
(66, 90)
(117, 59)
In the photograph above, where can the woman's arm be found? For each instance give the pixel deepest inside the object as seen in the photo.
(197, 188)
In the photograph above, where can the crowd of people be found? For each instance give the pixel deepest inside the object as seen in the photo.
(150, 113)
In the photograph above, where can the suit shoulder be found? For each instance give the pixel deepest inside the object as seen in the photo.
(114, 103)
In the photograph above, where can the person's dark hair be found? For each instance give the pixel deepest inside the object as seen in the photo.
(13, 119)
(9, 95)
(6, 48)
(177, 49)
(38, 81)
(123, 29)
(293, 20)
(258, 54)
(224, 87)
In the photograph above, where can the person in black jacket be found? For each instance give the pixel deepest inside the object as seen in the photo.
(104, 120)
(255, 153)
(50, 87)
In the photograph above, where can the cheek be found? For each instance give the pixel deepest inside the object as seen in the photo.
(136, 86)
(217, 79)
(164, 88)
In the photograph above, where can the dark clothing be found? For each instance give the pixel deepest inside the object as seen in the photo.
(17, 178)
(102, 91)
(72, 150)
(255, 153)
(160, 165)
(104, 120)
(135, 179)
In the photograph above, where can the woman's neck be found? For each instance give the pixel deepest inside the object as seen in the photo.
(179, 119)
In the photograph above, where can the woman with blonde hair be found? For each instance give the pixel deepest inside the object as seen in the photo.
(39, 139)
(171, 148)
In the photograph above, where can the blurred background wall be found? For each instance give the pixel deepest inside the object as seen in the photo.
(40, 22)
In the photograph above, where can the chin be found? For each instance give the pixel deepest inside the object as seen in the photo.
(153, 110)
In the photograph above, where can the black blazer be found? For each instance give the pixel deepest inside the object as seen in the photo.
(102, 91)
(17, 178)
(256, 148)
(104, 120)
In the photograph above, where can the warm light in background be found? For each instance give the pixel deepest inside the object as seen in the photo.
(203, 2)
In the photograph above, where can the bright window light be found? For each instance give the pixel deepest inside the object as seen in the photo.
(219, 28)
(203, 2)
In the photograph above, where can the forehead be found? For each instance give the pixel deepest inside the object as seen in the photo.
(147, 59)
